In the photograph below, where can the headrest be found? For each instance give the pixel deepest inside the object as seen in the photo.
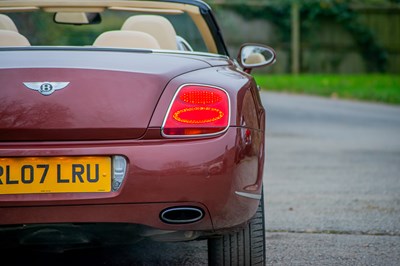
(126, 39)
(255, 58)
(12, 38)
(6, 23)
(157, 26)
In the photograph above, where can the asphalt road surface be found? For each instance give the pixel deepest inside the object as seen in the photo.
(332, 190)
(332, 182)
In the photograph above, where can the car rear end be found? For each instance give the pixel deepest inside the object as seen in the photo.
(148, 140)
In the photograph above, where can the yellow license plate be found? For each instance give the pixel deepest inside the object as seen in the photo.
(55, 174)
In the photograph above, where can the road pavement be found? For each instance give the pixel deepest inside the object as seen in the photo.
(332, 182)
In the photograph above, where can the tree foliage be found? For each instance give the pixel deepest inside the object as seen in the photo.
(339, 11)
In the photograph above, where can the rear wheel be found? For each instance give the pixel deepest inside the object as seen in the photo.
(244, 247)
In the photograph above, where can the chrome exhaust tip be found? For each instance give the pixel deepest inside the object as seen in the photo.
(181, 215)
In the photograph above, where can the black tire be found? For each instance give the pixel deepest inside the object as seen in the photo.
(244, 247)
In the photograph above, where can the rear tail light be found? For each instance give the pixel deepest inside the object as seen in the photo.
(197, 110)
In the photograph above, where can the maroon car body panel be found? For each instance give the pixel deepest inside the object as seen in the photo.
(105, 102)
(115, 104)
(203, 172)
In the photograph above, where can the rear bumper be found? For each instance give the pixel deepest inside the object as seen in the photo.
(218, 175)
(145, 214)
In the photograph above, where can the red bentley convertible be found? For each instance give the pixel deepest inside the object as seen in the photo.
(128, 119)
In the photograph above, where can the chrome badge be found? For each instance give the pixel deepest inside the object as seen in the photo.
(46, 88)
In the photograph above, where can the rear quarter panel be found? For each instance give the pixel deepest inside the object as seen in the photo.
(247, 114)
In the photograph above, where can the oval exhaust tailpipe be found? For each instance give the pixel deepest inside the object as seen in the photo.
(181, 215)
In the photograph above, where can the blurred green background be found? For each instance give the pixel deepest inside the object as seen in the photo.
(335, 48)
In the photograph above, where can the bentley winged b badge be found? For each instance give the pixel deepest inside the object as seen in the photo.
(46, 88)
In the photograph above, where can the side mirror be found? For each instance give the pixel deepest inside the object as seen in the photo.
(255, 55)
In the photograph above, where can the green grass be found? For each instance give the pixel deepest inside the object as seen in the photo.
(373, 87)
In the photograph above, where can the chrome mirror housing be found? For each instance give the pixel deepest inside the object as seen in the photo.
(256, 55)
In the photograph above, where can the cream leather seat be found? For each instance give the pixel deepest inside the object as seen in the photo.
(157, 26)
(126, 39)
(6, 23)
(12, 38)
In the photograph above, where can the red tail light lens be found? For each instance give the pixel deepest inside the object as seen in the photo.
(197, 110)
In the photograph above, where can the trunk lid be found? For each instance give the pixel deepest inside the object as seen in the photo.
(110, 95)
